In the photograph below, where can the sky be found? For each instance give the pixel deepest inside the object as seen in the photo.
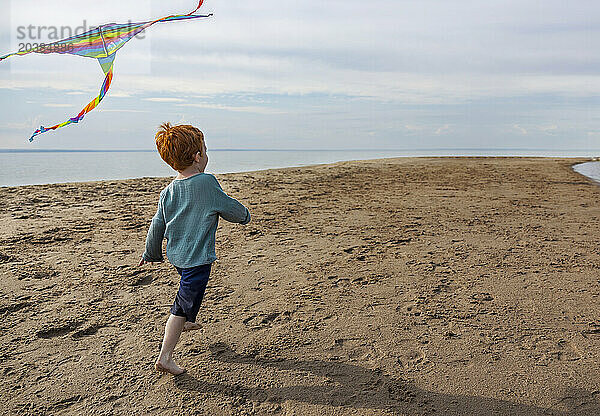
(383, 74)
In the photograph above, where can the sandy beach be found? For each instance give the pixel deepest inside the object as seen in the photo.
(409, 286)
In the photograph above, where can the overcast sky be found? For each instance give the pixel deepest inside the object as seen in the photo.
(335, 74)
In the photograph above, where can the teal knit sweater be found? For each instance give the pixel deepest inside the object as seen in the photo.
(187, 216)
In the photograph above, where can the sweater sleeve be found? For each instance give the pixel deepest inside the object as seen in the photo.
(230, 209)
(156, 233)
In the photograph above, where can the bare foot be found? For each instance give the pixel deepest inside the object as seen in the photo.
(190, 326)
(169, 367)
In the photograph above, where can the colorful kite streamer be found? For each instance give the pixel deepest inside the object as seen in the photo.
(100, 43)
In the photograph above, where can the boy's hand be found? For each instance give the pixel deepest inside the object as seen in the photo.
(142, 262)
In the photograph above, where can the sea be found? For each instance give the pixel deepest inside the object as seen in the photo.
(589, 169)
(36, 167)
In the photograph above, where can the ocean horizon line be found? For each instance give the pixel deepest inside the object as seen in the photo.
(496, 149)
(45, 166)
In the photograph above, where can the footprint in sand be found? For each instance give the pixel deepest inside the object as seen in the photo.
(5, 258)
(353, 348)
(14, 306)
(568, 351)
(266, 320)
(133, 275)
(142, 281)
(37, 272)
(411, 358)
(87, 331)
(58, 330)
(548, 350)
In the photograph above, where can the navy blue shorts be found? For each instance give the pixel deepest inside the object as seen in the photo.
(191, 291)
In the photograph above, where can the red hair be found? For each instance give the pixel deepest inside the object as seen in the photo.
(178, 145)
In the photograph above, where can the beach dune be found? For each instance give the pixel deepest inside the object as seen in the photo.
(409, 286)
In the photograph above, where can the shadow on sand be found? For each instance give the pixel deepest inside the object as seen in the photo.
(357, 387)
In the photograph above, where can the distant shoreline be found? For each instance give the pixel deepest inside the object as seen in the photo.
(440, 149)
(576, 162)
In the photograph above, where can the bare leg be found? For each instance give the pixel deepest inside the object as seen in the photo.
(191, 326)
(173, 330)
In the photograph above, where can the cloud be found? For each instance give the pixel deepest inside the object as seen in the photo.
(15, 126)
(120, 95)
(245, 109)
(519, 129)
(164, 100)
(117, 110)
(550, 129)
(57, 105)
(442, 130)
(406, 88)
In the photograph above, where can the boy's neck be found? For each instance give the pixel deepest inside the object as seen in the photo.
(191, 171)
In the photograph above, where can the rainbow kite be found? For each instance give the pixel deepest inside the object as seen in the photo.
(100, 43)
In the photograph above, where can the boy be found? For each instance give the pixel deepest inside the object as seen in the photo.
(187, 216)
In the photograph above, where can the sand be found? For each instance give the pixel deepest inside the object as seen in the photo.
(413, 286)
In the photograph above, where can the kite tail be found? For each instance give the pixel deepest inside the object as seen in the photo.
(93, 104)
(196, 9)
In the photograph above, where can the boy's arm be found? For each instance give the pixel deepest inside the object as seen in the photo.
(229, 208)
(156, 233)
